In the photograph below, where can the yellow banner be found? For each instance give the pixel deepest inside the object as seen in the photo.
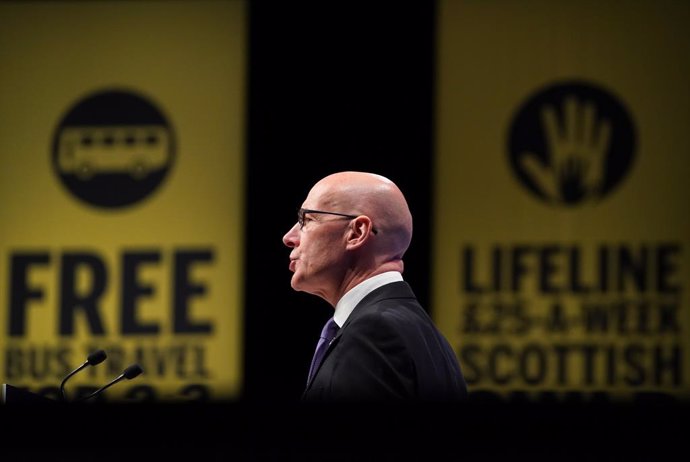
(562, 233)
(122, 192)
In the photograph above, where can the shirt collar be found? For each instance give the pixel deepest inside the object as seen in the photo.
(355, 295)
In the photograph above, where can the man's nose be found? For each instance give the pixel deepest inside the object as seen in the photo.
(291, 238)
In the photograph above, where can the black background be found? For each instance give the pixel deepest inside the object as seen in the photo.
(335, 85)
(332, 86)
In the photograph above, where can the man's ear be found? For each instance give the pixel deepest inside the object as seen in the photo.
(359, 232)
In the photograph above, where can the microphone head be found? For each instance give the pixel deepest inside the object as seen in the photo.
(132, 371)
(96, 357)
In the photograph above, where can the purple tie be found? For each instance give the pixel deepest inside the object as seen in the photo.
(327, 334)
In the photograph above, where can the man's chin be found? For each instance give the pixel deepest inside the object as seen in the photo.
(295, 283)
(298, 284)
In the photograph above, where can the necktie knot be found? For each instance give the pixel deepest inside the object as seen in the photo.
(329, 330)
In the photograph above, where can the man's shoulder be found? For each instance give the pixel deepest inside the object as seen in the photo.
(390, 291)
(392, 304)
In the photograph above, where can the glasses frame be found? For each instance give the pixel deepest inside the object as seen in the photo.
(302, 211)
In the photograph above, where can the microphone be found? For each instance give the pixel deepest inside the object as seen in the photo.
(94, 358)
(129, 373)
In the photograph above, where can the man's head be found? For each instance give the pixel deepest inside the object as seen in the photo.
(366, 232)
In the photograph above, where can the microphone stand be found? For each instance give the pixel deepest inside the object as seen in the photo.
(93, 359)
(129, 373)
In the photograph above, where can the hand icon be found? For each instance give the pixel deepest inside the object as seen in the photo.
(577, 153)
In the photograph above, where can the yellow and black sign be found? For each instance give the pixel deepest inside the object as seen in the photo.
(562, 245)
(121, 193)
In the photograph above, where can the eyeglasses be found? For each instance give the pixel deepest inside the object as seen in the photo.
(301, 212)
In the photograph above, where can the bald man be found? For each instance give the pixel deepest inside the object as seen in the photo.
(347, 247)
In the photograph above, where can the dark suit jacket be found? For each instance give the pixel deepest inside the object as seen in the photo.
(388, 350)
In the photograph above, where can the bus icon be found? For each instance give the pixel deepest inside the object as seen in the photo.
(136, 150)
